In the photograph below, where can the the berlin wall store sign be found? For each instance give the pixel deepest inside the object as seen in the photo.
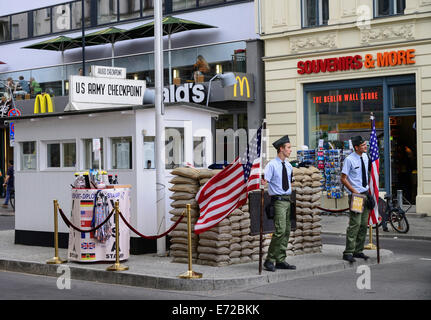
(357, 62)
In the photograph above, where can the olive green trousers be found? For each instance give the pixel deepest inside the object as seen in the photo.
(280, 237)
(356, 232)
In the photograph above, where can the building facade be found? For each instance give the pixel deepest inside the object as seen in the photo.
(232, 45)
(329, 64)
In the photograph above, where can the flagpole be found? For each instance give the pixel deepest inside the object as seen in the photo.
(160, 126)
(377, 222)
(262, 200)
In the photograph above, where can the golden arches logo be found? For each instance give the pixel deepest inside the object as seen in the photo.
(241, 82)
(42, 102)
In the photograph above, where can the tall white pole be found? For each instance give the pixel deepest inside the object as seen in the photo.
(160, 126)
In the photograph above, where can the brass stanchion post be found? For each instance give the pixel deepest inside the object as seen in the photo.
(190, 274)
(370, 245)
(117, 266)
(56, 259)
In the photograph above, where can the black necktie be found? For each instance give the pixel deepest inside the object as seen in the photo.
(364, 174)
(284, 179)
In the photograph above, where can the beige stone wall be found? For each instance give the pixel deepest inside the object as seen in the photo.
(286, 43)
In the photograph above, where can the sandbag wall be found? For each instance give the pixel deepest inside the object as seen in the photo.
(307, 237)
(228, 243)
(185, 187)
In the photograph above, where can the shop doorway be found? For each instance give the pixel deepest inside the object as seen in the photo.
(403, 156)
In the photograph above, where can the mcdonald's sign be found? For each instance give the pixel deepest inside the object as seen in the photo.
(243, 90)
(42, 102)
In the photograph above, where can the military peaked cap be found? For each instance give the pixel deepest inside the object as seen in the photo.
(280, 142)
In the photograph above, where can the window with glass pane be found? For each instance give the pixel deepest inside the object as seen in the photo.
(337, 115)
(4, 29)
(183, 4)
(203, 3)
(76, 11)
(174, 145)
(148, 7)
(42, 21)
(92, 156)
(199, 152)
(315, 12)
(403, 96)
(121, 153)
(149, 161)
(53, 153)
(61, 18)
(130, 9)
(106, 11)
(19, 26)
(389, 7)
(28, 155)
(69, 154)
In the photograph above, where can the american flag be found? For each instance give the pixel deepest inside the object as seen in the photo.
(375, 169)
(228, 189)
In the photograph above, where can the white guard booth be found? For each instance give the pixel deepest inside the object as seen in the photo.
(51, 147)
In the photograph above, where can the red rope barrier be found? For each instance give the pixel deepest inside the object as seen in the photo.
(69, 224)
(332, 211)
(151, 237)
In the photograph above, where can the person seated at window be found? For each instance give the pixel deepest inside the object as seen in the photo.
(23, 87)
(35, 87)
(201, 67)
(10, 89)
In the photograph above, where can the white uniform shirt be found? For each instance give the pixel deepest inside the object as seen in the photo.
(353, 170)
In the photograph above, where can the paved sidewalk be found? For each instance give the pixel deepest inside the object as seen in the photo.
(152, 271)
(156, 272)
(420, 227)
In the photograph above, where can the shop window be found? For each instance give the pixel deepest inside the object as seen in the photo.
(149, 161)
(41, 21)
(61, 18)
(93, 153)
(389, 7)
(76, 12)
(69, 154)
(315, 12)
(53, 153)
(19, 26)
(199, 152)
(183, 4)
(4, 29)
(403, 96)
(334, 116)
(28, 155)
(130, 9)
(174, 147)
(106, 11)
(121, 153)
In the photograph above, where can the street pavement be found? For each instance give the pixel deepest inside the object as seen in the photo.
(151, 271)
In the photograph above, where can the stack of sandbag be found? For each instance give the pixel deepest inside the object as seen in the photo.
(214, 245)
(307, 238)
(246, 238)
(255, 241)
(185, 186)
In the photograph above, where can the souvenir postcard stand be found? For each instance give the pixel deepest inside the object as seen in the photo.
(84, 247)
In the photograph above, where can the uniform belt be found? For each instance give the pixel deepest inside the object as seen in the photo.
(281, 198)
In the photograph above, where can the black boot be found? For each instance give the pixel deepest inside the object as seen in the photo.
(348, 257)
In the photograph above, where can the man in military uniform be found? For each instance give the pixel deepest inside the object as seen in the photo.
(354, 177)
(278, 173)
